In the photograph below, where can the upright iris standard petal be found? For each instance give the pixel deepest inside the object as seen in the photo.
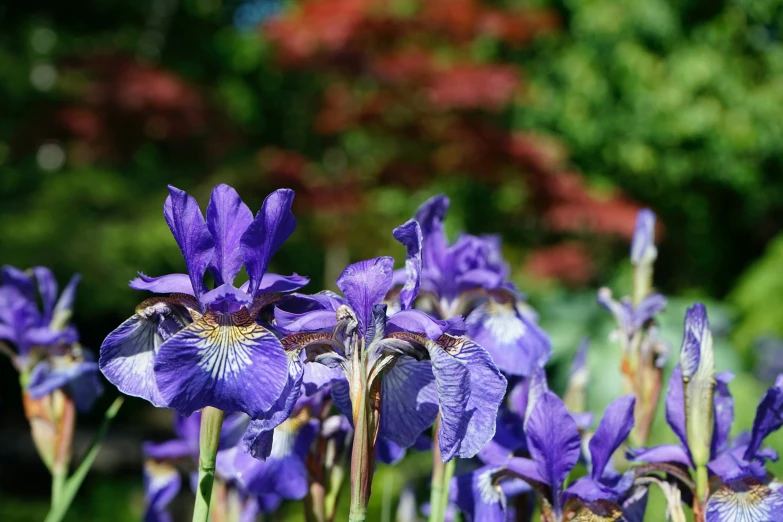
(222, 360)
(409, 402)
(430, 217)
(553, 441)
(614, 428)
(517, 345)
(769, 418)
(64, 306)
(724, 412)
(411, 237)
(746, 500)
(47, 288)
(366, 284)
(643, 243)
(190, 230)
(227, 219)
(273, 224)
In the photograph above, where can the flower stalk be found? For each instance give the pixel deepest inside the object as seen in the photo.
(209, 440)
(442, 473)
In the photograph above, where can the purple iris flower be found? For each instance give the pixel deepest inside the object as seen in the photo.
(631, 319)
(747, 492)
(554, 444)
(471, 277)
(162, 478)
(200, 347)
(419, 364)
(48, 354)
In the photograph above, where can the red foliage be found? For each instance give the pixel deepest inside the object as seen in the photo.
(569, 262)
(415, 82)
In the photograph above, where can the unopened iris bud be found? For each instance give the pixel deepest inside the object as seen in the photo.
(698, 375)
(643, 244)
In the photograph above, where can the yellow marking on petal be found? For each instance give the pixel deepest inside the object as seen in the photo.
(600, 511)
(742, 501)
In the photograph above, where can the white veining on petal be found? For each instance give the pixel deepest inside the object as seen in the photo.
(500, 321)
(225, 348)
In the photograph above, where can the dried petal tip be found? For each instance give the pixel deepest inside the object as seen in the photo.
(643, 244)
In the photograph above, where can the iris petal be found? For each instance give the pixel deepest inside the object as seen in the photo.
(366, 284)
(167, 284)
(225, 361)
(128, 353)
(227, 219)
(190, 230)
(409, 403)
(517, 345)
(273, 224)
(744, 501)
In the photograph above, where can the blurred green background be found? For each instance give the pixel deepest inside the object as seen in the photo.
(548, 122)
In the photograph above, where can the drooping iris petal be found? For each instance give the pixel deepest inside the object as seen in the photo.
(553, 441)
(258, 438)
(161, 484)
(769, 418)
(79, 379)
(388, 452)
(675, 408)
(128, 353)
(615, 425)
(744, 501)
(273, 224)
(227, 219)
(643, 243)
(313, 321)
(167, 284)
(283, 472)
(409, 401)
(365, 284)
(411, 237)
(517, 345)
(417, 321)
(452, 380)
(662, 453)
(317, 376)
(47, 288)
(635, 504)
(190, 230)
(487, 390)
(724, 412)
(225, 361)
(272, 283)
(171, 449)
(650, 306)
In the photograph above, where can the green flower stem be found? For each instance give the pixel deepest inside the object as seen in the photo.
(209, 439)
(72, 485)
(702, 483)
(442, 473)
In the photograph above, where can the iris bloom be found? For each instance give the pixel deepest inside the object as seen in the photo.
(700, 411)
(47, 354)
(164, 460)
(471, 277)
(412, 365)
(554, 444)
(203, 347)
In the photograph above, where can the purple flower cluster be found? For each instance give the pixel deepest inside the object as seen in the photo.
(46, 346)
(397, 352)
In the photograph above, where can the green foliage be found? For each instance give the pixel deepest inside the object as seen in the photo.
(679, 103)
